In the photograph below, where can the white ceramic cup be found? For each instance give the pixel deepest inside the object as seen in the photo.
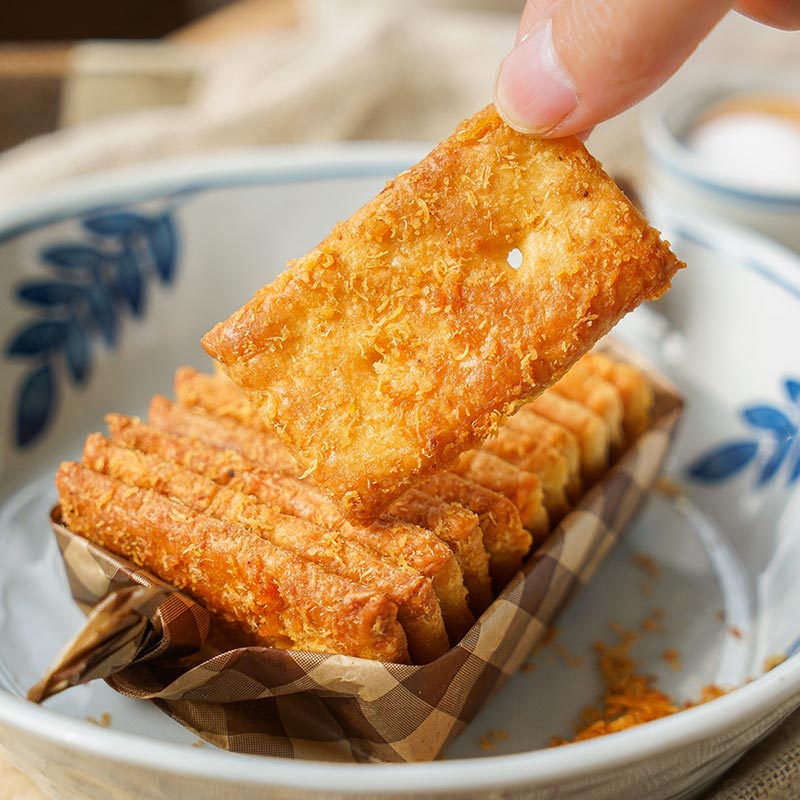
(724, 182)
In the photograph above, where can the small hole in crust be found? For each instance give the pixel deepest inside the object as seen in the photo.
(515, 258)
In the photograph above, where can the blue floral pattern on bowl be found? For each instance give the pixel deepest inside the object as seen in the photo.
(775, 442)
(92, 283)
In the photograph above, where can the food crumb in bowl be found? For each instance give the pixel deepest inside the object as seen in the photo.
(773, 661)
(654, 622)
(735, 632)
(630, 698)
(647, 564)
(103, 722)
(673, 658)
(490, 739)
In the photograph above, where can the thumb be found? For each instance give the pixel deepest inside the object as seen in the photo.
(579, 62)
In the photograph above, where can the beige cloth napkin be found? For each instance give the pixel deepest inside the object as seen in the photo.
(352, 70)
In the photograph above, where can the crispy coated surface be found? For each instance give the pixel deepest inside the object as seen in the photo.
(417, 607)
(264, 592)
(588, 428)
(400, 542)
(634, 388)
(597, 394)
(460, 529)
(504, 538)
(540, 433)
(521, 487)
(260, 446)
(528, 451)
(405, 337)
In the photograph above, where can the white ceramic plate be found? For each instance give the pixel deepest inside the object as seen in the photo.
(195, 240)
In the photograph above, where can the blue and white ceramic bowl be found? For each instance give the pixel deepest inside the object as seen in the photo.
(107, 288)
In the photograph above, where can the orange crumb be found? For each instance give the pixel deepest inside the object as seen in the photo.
(570, 659)
(630, 698)
(652, 623)
(773, 661)
(648, 564)
(103, 722)
(734, 631)
(490, 739)
(673, 658)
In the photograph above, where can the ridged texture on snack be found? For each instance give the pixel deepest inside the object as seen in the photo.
(418, 609)
(406, 337)
(263, 592)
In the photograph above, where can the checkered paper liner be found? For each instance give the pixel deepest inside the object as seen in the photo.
(150, 642)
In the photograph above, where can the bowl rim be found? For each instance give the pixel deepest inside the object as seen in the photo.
(755, 701)
(668, 151)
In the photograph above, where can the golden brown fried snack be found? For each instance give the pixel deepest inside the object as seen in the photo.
(262, 447)
(529, 451)
(521, 487)
(417, 607)
(504, 538)
(633, 386)
(398, 541)
(406, 337)
(597, 394)
(216, 394)
(540, 433)
(266, 593)
(588, 428)
(460, 529)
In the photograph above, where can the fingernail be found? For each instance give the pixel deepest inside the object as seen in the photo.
(533, 92)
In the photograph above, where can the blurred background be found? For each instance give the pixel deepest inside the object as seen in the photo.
(87, 85)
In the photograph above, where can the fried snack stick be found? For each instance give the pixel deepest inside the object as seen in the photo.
(589, 429)
(504, 538)
(457, 529)
(527, 451)
(541, 432)
(417, 607)
(406, 337)
(521, 487)
(460, 529)
(633, 387)
(216, 394)
(397, 541)
(264, 592)
(597, 394)
(260, 447)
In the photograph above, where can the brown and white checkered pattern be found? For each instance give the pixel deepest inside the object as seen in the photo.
(310, 705)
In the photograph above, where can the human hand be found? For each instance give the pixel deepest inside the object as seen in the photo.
(579, 62)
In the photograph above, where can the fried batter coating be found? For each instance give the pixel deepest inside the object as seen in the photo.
(529, 451)
(216, 394)
(262, 447)
(521, 487)
(460, 529)
(266, 593)
(540, 432)
(395, 540)
(504, 538)
(406, 337)
(417, 606)
(589, 429)
(597, 394)
(633, 386)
